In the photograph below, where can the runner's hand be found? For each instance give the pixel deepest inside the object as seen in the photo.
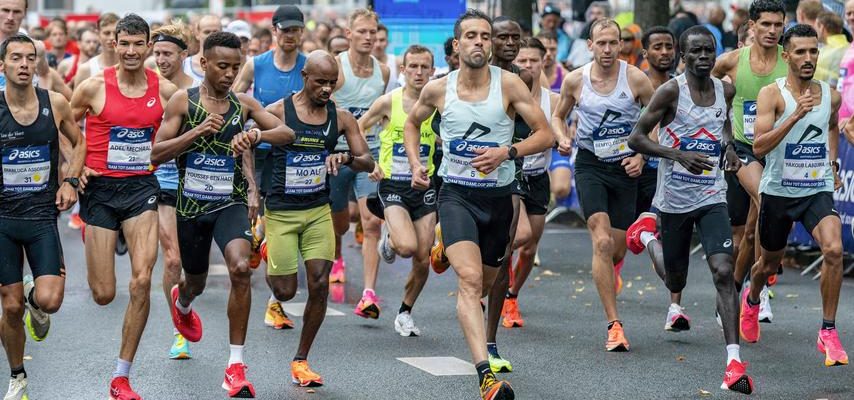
(489, 158)
(564, 147)
(420, 181)
(837, 182)
(66, 196)
(633, 165)
(694, 162)
(211, 125)
(242, 141)
(334, 161)
(805, 104)
(253, 203)
(377, 175)
(731, 161)
(84, 177)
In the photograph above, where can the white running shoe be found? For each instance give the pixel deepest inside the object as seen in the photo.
(383, 248)
(765, 314)
(37, 321)
(405, 326)
(677, 320)
(17, 389)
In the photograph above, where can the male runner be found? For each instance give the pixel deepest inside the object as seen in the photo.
(120, 191)
(361, 80)
(749, 69)
(31, 197)
(217, 196)
(89, 49)
(410, 214)
(693, 112)
(477, 104)
(108, 57)
(389, 59)
(273, 76)
(13, 13)
(797, 132)
(298, 213)
(207, 25)
(553, 70)
(170, 50)
(609, 95)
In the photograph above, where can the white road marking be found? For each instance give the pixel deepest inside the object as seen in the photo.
(440, 366)
(296, 310)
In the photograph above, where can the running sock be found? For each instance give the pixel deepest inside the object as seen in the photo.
(404, 308)
(828, 324)
(492, 348)
(298, 358)
(272, 298)
(122, 368)
(235, 355)
(31, 300)
(511, 295)
(175, 331)
(366, 291)
(483, 370)
(611, 324)
(647, 237)
(181, 309)
(18, 371)
(732, 353)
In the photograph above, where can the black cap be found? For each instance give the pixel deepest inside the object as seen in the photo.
(288, 16)
(551, 9)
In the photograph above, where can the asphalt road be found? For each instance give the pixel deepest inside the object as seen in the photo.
(558, 354)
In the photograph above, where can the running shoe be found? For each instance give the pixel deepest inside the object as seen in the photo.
(276, 318)
(121, 244)
(236, 384)
(617, 338)
(512, 316)
(498, 364)
(718, 319)
(618, 277)
(17, 389)
(188, 325)
(337, 275)
(749, 322)
(180, 348)
(302, 375)
(369, 306)
(765, 314)
(337, 293)
(37, 321)
(493, 389)
(677, 320)
(405, 325)
(828, 343)
(644, 223)
(359, 234)
(75, 222)
(120, 389)
(537, 259)
(736, 378)
(772, 280)
(383, 246)
(263, 250)
(257, 241)
(438, 260)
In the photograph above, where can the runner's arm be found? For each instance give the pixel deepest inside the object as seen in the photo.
(833, 126)
(244, 80)
(80, 99)
(71, 132)
(660, 105)
(83, 73)
(57, 84)
(541, 137)
(168, 144)
(561, 112)
(167, 89)
(731, 161)
(640, 85)
(273, 130)
(362, 160)
(421, 110)
(765, 136)
(725, 63)
(378, 112)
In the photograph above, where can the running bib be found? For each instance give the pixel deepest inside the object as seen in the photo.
(400, 170)
(168, 167)
(804, 165)
(129, 149)
(26, 169)
(749, 118)
(208, 177)
(460, 170)
(305, 172)
(710, 148)
(611, 143)
(534, 164)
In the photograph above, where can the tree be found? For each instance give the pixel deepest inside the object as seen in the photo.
(649, 13)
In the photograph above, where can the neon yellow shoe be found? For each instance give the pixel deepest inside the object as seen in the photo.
(498, 364)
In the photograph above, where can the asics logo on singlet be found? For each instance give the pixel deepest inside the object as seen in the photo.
(806, 150)
(306, 157)
(209, 161)
(700, 146)
(24, 154)
(727, 243)
(131, 133)
(151, 102)
(752, 108)
(718, 112)
(235, 120)
(45, 112)
(612, 131)
(463, 145)
(401, 150)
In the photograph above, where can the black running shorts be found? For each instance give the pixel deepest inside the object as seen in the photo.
(536, 192)
(777, 214)
(38, 240)
(482, 216)
(737, 199)
(744, 152)
(107, 202)
(605, 187)
(195, 235)
(400, 193)
(676, 231)
(168, 198)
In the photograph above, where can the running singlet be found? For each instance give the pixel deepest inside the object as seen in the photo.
(747, 85)
(605, 121)
(357, 95)
(188, 69)
(393, 159)
(799, 166)
(299, 169)
(167, 173)
(210, 177)
(558, 80)
(119, 139)
(468, 126)
(537, 164)
(845, 86)
(30, 156)
(698, 129)
(272, 84)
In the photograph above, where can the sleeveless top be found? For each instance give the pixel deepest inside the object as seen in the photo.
(188, 69)
(558, 80)
(393, 159)
(747, 86)
(799, 165)
(357, 95)
(167, 173)
(694, 128)
(537, 164)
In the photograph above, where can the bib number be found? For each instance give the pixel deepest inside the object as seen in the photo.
(804, 165)
(749, 119)
(460, 170)
(534, 164)
(611, 143)
(710, 148)
(26, 169)
(400, 170)
(208, 177)
(129, 149)
(305, 172)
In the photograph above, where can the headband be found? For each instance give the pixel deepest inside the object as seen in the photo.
(166, 38)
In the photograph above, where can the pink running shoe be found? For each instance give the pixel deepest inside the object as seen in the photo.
(828, 344)
(749, 324)
(337, 275)
(644, 223)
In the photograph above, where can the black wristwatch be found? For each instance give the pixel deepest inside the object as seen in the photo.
(511, 152)
(835, 165)
(350, 158)
(74, 182)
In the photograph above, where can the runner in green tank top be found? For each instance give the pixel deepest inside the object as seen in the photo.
(410, 214)
(749, 69)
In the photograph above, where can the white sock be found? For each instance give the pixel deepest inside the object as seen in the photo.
(122, 368)
(235, 356)
(732, 353)
(181, 309)
(272, 298)
(677, 307)
(175, 331)
(647, 237)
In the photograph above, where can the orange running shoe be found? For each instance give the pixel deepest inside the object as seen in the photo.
(75, 222)
(359, 234)
(493, 389)
(438, 260)
(302, 375)
(618, 277)
(617, 338)
(512, 316)
(276, 318)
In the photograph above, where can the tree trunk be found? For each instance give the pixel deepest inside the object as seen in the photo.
(649, 13)
(519, 10)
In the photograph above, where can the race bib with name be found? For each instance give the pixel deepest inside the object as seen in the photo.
(129, 149)
(26, 169)
(209, 177)
(749, 119)
(611, 143)
(804, 165)
(710, 148)
(305, 172)
(460, 170)
(534, 164)
(400, 170)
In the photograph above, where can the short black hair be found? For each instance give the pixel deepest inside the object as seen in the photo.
(449, 47)
(417, 49)
(765, 6)
(470, 13)
(16, 38)
(222, 39)
(799, 30)
(546, 35)
(694, 30)
(655, 30)
(533, 43)
(133, 24)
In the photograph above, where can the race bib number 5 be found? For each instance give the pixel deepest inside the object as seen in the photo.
(804, 165)
(129, 149)
(611, 143)
(209, 177)
(305, 172)
(710, 148)
(460, 170)
(26, 169)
